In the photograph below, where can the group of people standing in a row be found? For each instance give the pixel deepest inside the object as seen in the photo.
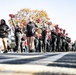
(51, 37)
(29, 32)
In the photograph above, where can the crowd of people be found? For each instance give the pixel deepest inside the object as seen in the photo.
(36, 38)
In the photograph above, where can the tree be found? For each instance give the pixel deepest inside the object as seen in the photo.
(22, 16)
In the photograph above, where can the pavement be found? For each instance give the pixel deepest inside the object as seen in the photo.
(57, 63)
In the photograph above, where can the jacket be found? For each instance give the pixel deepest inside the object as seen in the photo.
(4, 29)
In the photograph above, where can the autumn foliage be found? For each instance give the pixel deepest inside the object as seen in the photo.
(23, 16)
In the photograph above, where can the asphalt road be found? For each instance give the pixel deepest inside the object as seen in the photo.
(57, 63)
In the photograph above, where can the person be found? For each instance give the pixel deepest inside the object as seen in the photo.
(30, 32)
(24, 45)
(4, 29)
(18, 36)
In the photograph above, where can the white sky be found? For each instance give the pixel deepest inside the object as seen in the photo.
(62, 12)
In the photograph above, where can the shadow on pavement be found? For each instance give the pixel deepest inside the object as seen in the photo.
(25, 60)
(68, 60)
(48, 73)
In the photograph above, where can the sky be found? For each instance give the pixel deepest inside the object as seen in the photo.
(61, 12)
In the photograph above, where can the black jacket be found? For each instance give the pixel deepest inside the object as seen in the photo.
(17, 30)
(4, 31)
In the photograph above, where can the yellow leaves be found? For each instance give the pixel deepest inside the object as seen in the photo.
(43, 13)
(48, 18)
(24, 19)
(16, 21)
(27, 10)
(10, 22)
(24, 14)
